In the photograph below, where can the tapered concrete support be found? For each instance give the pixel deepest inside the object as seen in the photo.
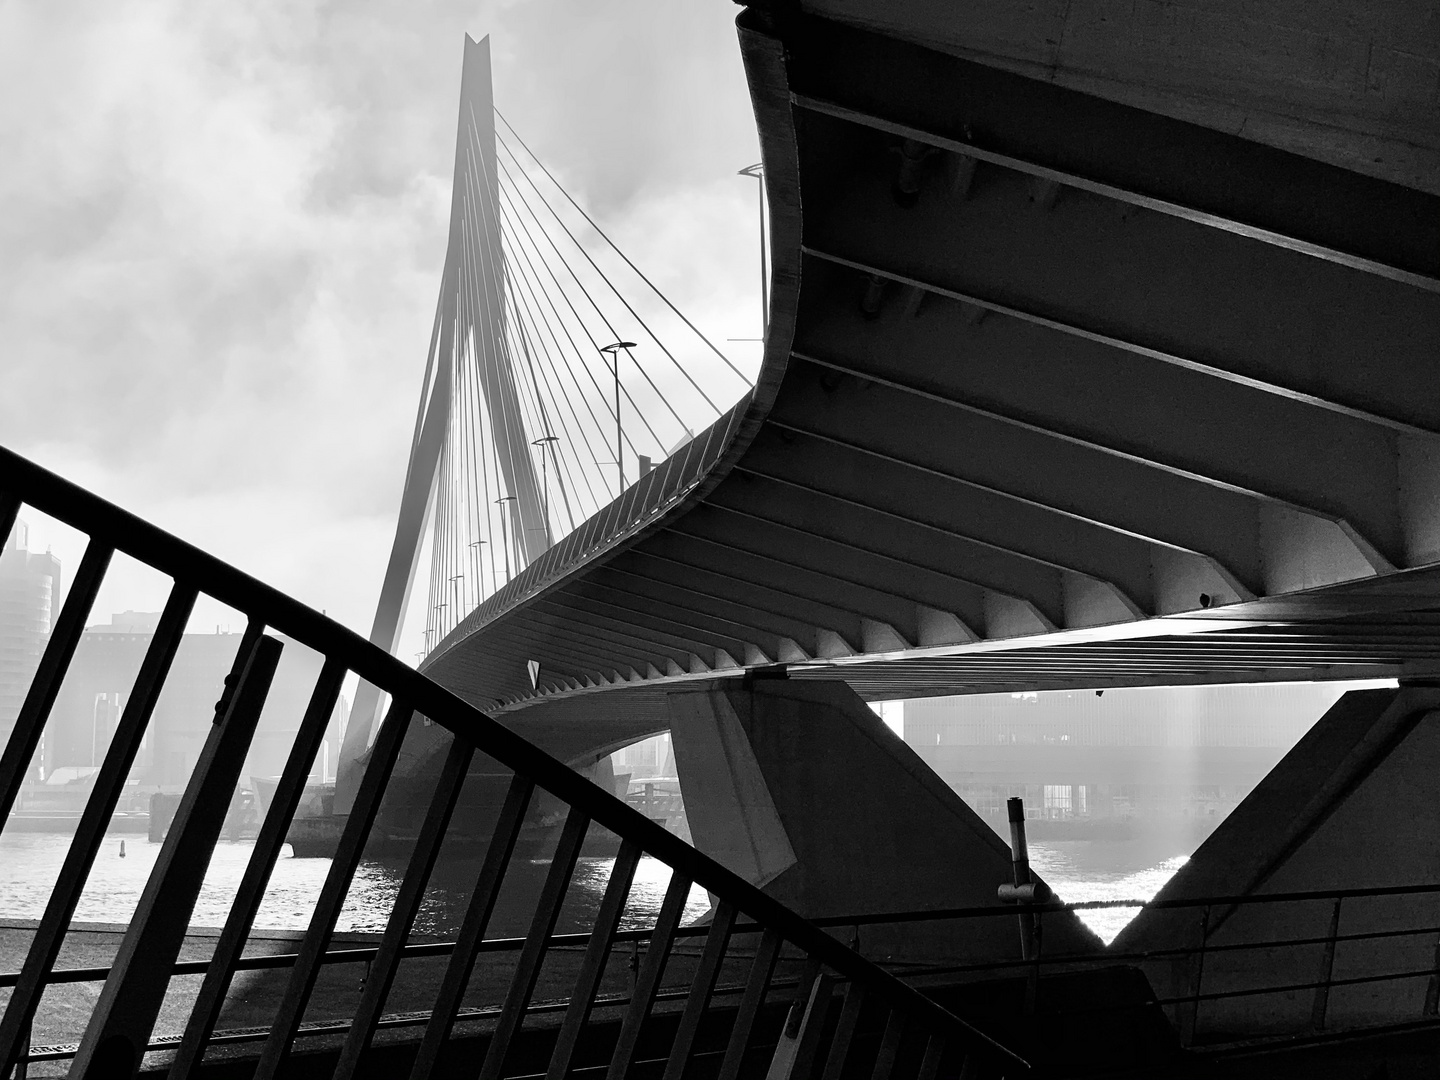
(802, 789)
(1355, 805)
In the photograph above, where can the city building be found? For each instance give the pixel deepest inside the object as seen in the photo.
(29, 602)
(98, 685)
(1086, 761)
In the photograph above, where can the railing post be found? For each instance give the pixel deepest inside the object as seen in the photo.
(472, 927)
(94, 819)
(290, 1011)
(532, 953)
(844, 1031)
(934, 1052)
(123, 1018)
(1327, 970)
(22, 1065)
(1432, 988)
(251, 892)
(592, 966)
(761, 971)
(380, 970)
(701, 987)
(45, 684)
(889, 1046)
(648, 981)
(800, 1039)
(1190, 1016)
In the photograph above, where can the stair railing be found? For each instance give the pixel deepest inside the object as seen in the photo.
(881, 1023)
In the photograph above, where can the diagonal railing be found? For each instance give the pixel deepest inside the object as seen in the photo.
(843, 1011)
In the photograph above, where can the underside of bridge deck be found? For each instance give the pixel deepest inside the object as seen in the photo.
(1066, 384)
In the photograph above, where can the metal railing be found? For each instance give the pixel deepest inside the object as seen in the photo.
(1187, 961)
(640, 503)
(880, 1019)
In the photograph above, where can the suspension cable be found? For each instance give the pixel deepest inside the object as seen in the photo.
(653, 288)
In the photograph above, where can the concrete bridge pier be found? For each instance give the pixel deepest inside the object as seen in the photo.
(799, 787)
(1354, 806)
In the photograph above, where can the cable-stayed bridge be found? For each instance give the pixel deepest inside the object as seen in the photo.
(1057, 391)
(1071, 378)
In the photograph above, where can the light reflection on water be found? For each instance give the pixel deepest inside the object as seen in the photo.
(1084, 870)
(30, 863)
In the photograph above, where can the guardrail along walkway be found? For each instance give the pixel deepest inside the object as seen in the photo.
(835, 993)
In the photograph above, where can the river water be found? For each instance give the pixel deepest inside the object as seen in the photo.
(30, 862)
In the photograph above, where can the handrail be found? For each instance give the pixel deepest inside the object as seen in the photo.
(942, 914)
(1071, 962)
(270, 961)
(339, 1027)
(193, 570)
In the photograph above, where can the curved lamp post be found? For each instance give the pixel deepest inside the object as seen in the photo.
(613, 351)
(543, 443)
(757, 171)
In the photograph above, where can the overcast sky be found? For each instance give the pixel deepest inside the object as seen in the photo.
(224, 228)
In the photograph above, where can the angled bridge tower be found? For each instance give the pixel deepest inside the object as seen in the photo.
(469, 354)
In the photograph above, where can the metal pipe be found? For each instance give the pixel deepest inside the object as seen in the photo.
(1020, 865)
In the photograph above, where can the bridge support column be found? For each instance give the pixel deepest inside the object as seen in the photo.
(800, 787)
(1354, 806)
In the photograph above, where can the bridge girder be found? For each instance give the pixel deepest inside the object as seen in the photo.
(1058, 392)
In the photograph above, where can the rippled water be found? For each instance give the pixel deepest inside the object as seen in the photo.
(30, 862)
(1083, 870)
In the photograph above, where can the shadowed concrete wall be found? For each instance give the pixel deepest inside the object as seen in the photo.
(1353, 806)
(800, 787)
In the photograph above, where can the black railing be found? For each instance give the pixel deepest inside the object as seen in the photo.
(1181, 962)
(880, 1019)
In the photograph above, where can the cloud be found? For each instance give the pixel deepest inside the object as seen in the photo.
(225, 226)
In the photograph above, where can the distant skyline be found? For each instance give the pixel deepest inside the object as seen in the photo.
(227, 226)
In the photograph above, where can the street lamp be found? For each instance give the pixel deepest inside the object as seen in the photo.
(613, 350)
(545, 481)
(475, 565)
(758, 172)
(504, 532)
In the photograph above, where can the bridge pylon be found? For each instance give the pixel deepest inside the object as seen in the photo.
(469, 353)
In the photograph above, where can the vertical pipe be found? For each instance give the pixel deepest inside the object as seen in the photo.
(1020, 864)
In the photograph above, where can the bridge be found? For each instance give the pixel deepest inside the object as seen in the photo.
(1098, 352)
(1058, 391)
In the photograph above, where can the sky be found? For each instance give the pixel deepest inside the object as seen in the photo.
(224, 227)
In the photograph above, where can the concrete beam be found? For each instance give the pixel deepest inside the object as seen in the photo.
(1350, 807)
(864, 826)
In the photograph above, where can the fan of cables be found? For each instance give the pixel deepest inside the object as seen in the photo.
(568, 373)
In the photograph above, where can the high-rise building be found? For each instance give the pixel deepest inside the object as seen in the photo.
(98, 684)
(29, 602)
